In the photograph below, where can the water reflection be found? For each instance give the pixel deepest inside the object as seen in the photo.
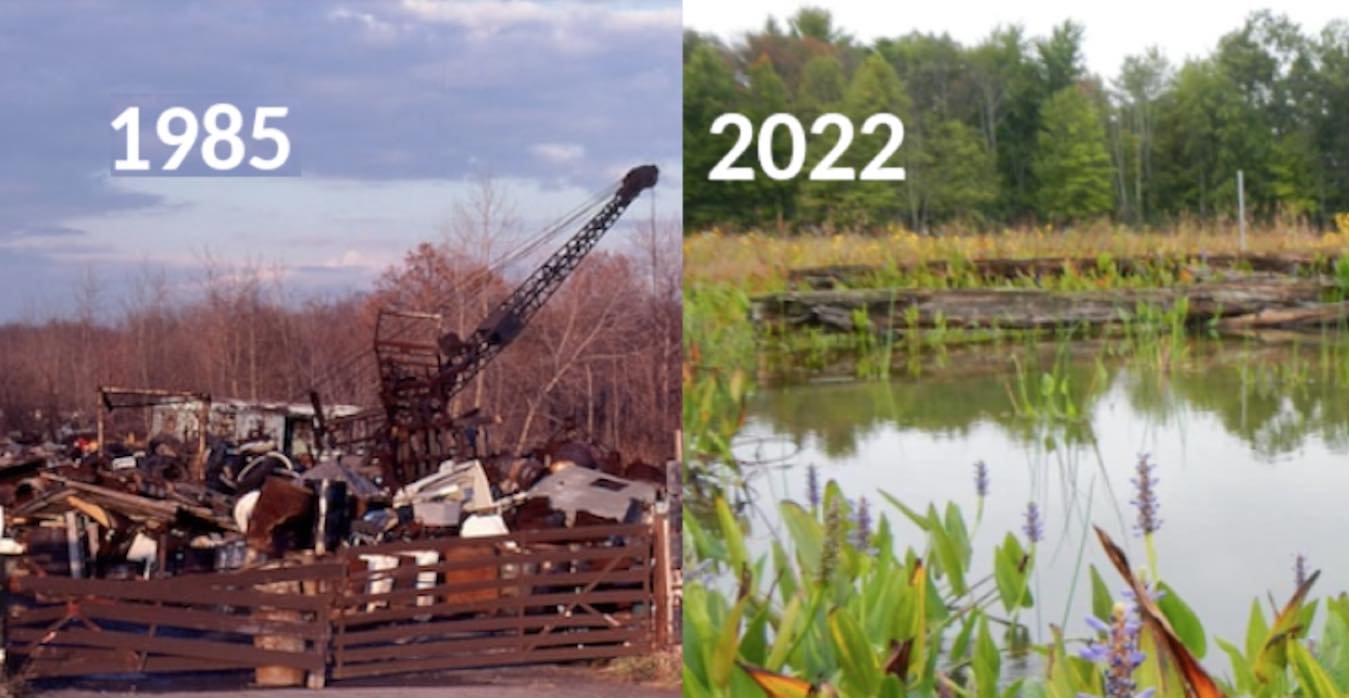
(1271, 398)
(1250, 440)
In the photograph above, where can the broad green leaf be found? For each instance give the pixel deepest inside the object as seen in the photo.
(856, 658)
(959, 534)
(947, 554)
(1272, 659)
(1334, 647)
(891, 688)
(706, 547)
(754, 639)
(1151, 673)
(692, 685)
(732, 536)
(1061, 680)
(785, 571)
(1256, 630)
(918, 519)
(1101, 601)
(1011, 580)
(1315, 682)
(961, 645)
(1306, 617)
(699, 633)
(785, 636)
(1183, 620)
(1241, 669)
(728, 643)
(987, 662)
(807, 537)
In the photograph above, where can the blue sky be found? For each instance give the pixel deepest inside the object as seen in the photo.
(396, 107)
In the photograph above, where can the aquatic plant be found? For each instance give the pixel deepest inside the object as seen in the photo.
(863, 524)
(980, 489)
(813, 486)
(823, 616)
(1033, 527)
(1145, 501)
(1118, 651)
(835, 538)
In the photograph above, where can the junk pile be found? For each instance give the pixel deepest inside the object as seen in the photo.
(130, 510)
(260, 482)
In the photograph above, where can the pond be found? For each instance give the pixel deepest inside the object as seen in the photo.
(1250, 441)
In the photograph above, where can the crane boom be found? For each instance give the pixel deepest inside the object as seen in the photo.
(419, 379)
(464, 359)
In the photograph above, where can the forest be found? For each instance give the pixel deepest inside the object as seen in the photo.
(601, 359)
(1016, 131)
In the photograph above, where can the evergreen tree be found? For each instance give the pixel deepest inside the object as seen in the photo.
(773, 199)
(709, 91)
(822, 89)
(822, 86)
(1072, 166)
(961, 181)
(1005, 73)
(875, 89)
(1061, 57)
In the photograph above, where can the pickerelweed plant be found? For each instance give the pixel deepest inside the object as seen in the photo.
(849, 604)
(828, 611)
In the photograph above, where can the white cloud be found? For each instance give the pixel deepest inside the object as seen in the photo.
(570, 21)
(558, 153)
(374, 28)
(355, 259)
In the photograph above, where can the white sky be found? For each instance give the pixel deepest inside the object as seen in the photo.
(1113, 30)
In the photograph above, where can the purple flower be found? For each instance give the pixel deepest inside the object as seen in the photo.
(1117, 649)
(1034, 527)
(981, 479)
(1145, 484)
(1154, 593)
(863, 524)
(812, 486)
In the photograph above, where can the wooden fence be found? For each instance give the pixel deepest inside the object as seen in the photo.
(538, 596)
(58, 626)
(528, 597)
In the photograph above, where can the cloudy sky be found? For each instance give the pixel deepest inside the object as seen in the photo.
(1113, 30)
(396, 107)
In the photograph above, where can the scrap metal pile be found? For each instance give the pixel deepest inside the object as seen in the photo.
(223, 485)
(136, 510)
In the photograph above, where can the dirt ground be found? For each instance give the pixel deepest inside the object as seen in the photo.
(516, 682)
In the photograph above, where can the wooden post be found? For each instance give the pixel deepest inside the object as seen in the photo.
(320, 587)
(1241, 209)
(664, 595)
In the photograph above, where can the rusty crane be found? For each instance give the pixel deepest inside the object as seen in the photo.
(421, 369)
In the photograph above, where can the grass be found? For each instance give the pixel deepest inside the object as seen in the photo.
(724, 271)
(758, 262)
(661, 668)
